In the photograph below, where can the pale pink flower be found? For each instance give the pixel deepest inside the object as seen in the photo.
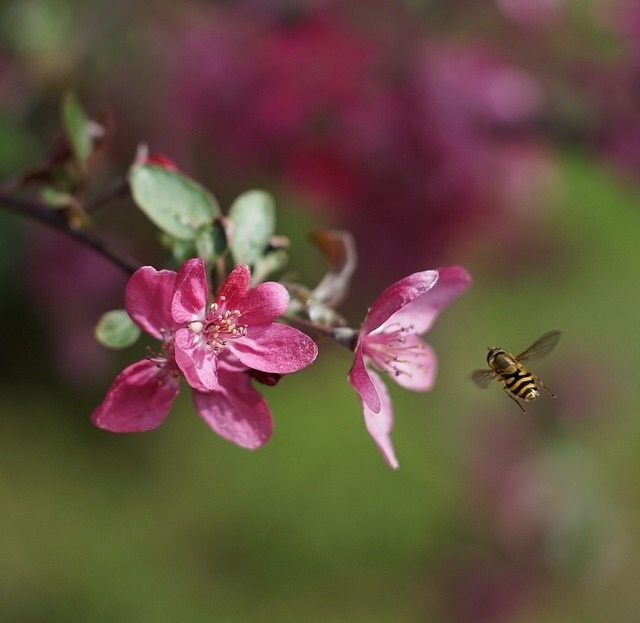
(142, 394)
(239, 322)
(390, 341)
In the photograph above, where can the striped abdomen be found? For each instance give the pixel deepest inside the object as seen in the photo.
(521, 384)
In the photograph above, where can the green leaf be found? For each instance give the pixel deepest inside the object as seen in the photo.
(253, 216)
(209, 244)
(115, 329)
(181, 250)
(269, 263)
(219, 238)
(77, 129)
(174, 202)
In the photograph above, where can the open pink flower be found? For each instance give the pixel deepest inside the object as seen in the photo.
(141, 396)
(239, 322)
(390, 341)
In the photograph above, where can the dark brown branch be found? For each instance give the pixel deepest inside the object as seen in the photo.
(42, 213)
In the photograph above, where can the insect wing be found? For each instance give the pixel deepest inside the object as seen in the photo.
(541, 347)
(482, 378)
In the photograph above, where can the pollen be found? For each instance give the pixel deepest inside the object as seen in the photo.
(222, 327)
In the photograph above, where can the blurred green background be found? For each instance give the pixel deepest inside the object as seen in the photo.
(494, 516)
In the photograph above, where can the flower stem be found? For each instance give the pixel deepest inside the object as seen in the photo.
(344, 336)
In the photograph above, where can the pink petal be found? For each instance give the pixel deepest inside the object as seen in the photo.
(361, 381)
(264, 303)
(398, 295)
(236, 411)
(416, 369)
(148, 299)
(380, 424)
(138, 400)
(190, 293)
(196, 360)
(234, 288)
(274, 348)
(423, 310)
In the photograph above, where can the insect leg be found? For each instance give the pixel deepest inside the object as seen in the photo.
(546, 389)
(541, 384)
(508, 393)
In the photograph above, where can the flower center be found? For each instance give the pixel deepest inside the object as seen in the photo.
(220, 327)
(392, 352)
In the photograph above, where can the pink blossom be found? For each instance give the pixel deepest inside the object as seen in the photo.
(142, 394)
(240, 322)
(390, 341)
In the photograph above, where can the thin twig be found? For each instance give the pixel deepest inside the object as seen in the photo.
(117, 190)
(342, 335)
(42, 213)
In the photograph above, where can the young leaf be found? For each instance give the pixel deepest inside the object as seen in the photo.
(174, 202)
(77, 129)
(219, 238)
(339, 248)
(181, 250)
(253, 220)
(211, 242)
(55, 198)
(270, 262)
(115, 329)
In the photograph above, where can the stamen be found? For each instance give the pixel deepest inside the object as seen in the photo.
(165, 358)
(392, 353)
(223, 327)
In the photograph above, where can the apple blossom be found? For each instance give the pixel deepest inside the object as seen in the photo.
(390, 341)
(142, 395)
(240, 322)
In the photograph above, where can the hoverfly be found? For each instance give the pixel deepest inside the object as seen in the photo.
(519, 383)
